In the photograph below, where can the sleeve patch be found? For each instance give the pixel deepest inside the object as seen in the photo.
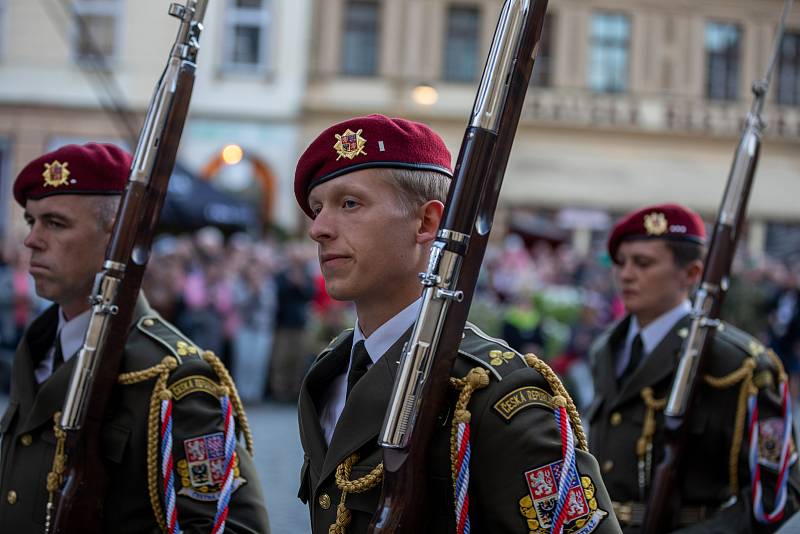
(582, 513)
(202, 471)
(522, 398)
(193, 384)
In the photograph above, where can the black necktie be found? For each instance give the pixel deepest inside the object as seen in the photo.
(637, 352)
(58, 354)
(358, 367)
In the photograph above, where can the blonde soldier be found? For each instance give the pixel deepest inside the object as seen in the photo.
(374, 189)
(70, 197)
(657, 253)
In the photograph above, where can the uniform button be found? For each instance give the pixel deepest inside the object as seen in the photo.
(12, 497)
(325, 501)
(149, 322)
(608, 465)
(26, 439)
(616, 419)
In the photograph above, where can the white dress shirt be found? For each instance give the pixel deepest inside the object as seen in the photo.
(377, 344)
(651, 334)
(72, 333)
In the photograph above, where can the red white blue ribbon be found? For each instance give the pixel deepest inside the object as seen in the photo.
(568, 469)
(462, 479)
(167, 473)
(783, 466)
(230, 456)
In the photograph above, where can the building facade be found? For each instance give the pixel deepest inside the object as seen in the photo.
(80, 70)
(631, 101)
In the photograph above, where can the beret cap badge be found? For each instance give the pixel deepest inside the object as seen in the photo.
(56, 174)
(655, 223)
(349, 144)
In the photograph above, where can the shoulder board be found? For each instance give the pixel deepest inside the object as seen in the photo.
(491, 353)
(740, 339)
(769, 368)
(167, 336)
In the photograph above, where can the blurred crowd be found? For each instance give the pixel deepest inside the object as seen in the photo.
(261, 304)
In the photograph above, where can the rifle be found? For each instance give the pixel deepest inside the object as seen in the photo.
(77, 504)
(663, 502)
(453, 266)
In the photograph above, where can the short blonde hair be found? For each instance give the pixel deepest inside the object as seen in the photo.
(416, 187)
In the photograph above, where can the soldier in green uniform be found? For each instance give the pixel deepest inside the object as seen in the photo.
(70, 197)
(374, 189)
(657, 253)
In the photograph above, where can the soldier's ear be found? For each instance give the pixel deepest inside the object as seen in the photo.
(429, 216)
(694, 271)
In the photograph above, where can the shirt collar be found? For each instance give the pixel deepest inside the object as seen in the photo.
(388, 333)
(72, 332)
(653, 333)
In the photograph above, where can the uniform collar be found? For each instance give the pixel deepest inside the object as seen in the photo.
(72, 332)
(388, 333)
(655, 332)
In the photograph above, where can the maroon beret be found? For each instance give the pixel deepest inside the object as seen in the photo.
(90, 169)
(662, 221)
(368, 142)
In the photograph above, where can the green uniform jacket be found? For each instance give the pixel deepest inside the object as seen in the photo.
(616, 419)
(512, 442)
(28, 441)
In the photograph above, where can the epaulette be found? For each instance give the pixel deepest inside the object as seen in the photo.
(168, 337)
(768, 368)
(490, 353)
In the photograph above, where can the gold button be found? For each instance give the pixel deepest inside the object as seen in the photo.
(26, 439)
(325, 501)
(12, 497)
(149, 322)
(616, 419)
(608, 465)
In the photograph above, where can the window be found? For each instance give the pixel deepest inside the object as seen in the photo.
(461, 44)
(96, 30)
(608, 58)
(361, 38)
(722, 61)
(246, 45)
(542, 75)
(788, 89)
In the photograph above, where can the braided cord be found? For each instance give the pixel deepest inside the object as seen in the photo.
(568, 472)
(744, 375)
(223, 504)
(761, 515)
(167, 473)
(360, 485)
(227, 382)
(558, 389)
(460, 449)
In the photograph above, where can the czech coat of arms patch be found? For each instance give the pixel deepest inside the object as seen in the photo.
(202, 471)
(538, 507)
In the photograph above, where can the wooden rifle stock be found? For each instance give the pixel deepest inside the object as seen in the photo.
(662, 512)
(449, 283)
(77, 505)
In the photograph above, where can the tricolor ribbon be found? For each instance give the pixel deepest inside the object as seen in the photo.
(781, 484)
